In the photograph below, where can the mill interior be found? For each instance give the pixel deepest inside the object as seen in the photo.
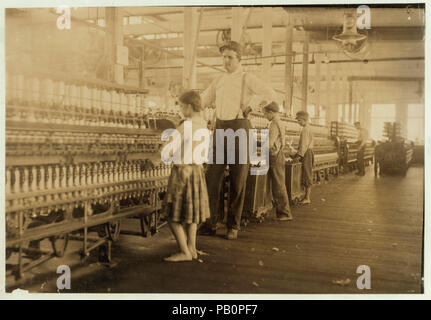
(90, 90)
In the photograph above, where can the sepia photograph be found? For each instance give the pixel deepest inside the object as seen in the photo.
(244, 149)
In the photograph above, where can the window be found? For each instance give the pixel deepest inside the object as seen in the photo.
(135, 20)
(357, 113)
(346, 112)
(415, 123)
(322, 119)
(381, 113)
(310, 110)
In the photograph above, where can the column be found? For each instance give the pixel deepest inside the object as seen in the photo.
(304, 94)
(317, 76)
(267, 44)
(189, 69)
(114, 40)
(288, 70)
(328, 99)
(236, 26)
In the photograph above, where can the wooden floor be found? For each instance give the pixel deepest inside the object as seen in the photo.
(353, 221)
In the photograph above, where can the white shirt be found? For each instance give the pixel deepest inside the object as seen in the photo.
(188, 145)
(225, 92)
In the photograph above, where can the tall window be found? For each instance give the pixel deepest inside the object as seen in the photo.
(311, 111)
(357, 113)
(347, 112)
(322, 119)
(381, 113)
(415, 123)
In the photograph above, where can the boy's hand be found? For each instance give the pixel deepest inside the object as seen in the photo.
(246, 112)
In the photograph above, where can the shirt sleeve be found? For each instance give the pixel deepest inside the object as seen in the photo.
(304, 141)
(273, 135)
(261, 88)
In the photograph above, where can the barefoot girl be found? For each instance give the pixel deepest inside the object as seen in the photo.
(186, 198)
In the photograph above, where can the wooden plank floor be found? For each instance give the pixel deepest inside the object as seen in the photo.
(353, 221)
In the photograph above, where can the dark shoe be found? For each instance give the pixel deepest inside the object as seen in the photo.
(304, 202)
(207, 231)
(284, 217)
(232, 234)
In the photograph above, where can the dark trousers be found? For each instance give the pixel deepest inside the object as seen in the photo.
(360, 159)
(276, 173)
(307, 168)
(238, 177)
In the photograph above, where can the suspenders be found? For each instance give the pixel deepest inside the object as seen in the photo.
(241, 102)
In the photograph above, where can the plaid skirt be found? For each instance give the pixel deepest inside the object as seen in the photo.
(186, 199)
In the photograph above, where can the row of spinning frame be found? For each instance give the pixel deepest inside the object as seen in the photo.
(76, 166)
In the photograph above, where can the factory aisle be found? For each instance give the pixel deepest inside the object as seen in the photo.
(353, 221)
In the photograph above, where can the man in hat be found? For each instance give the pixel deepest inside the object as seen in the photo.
(277, 169)
(231, 93)
(305, 154)
(363, 138)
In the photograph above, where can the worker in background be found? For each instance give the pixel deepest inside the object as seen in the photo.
(305, 154)
(277, 169)
(363, 138)
(231, 93)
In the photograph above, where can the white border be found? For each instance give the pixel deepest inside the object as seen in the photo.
(82, 3)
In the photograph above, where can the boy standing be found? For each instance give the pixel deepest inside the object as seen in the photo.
(276, 170)
(305, 153)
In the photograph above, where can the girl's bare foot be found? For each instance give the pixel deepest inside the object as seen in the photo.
(194, 253)
(178, 257)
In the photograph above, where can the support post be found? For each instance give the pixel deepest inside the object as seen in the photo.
(305, 72)
(317, 76)
(141, 72)
(236, 26)
(329, 94)
(288, 70)
(189, 69)
(338, 92)
(267, 44)
(113, 38)
(350, 101)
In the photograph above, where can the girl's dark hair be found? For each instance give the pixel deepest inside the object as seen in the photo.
(192, 98)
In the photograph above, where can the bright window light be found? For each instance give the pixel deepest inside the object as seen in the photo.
(381, 113)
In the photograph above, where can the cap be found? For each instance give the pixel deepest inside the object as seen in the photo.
(232, 45)
(272, 107)
(302, 115)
